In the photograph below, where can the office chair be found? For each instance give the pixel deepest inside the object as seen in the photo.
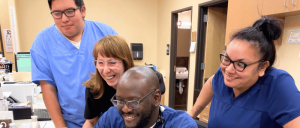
(201, 124)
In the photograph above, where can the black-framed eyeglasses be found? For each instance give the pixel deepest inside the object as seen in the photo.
(238, 65)
(133, 104)
(68, 12)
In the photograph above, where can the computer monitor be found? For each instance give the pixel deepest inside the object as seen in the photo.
(23, 62)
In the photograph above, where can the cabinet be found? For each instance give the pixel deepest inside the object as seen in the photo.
(271, 7)
(204, 115)
(243, 13)
(281, 8)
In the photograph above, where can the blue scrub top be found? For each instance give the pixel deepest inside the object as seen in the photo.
(270, 103)
(172, 119)
(57, 61)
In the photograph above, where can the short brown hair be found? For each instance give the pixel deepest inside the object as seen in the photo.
(109, 46)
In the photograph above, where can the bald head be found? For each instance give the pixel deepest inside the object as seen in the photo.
(139, 84)
(140, 73)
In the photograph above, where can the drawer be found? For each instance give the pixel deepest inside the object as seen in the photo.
(204, 115)
(208, 106)
(203, 119)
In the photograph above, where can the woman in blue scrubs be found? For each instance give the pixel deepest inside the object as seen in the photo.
(246, 90)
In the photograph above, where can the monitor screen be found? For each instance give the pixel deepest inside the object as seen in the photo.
(23, 62)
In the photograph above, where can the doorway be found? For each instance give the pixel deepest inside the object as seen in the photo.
(182, 59)
(179, 58)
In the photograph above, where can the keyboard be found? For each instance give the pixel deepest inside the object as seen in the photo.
(42, 114)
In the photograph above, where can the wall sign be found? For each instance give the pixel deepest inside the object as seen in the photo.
(294, 36)
(7, 40)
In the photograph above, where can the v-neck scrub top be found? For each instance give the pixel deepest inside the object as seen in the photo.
(57, 61)
(271, 102)
(172, 119)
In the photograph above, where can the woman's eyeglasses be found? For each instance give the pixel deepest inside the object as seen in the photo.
(238, 65)
(110, 64)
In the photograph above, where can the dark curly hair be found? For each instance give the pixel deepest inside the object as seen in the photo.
(261, 36)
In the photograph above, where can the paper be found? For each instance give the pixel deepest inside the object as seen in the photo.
(24, 104)
(192, 48)
(7, 40)
(6, 94)
(42, 124)
(294, 36)
(7, 115)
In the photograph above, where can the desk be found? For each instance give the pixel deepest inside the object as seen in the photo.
(20, 122)
(35, 106)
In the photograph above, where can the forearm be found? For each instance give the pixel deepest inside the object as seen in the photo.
(196, 110)
(90, 123)
(295, 123)
(87, 124)
(203, 99)
(52, 105)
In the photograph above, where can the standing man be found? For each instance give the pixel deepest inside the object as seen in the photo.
(62, 59)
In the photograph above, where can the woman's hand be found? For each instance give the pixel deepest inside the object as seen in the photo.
(90, 123)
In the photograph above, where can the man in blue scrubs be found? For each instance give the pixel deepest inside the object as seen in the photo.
(137, 104)
(62, 60)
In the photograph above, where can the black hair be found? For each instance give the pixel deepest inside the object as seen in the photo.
(78, 3)
(261, 36)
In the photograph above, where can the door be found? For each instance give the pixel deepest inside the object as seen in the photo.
(215, 39)
(173, 55)
(214, 45)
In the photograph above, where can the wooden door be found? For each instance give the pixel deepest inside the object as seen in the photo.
(214, 45)
(215, 39)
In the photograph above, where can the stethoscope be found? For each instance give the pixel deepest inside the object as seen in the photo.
(160, 120)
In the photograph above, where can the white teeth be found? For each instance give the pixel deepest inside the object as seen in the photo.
(110, 77)
(231, 77)
(129, 117)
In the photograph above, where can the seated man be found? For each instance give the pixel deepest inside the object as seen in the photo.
(137, 104)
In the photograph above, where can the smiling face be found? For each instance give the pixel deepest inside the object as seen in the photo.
(71, 27)
(110, 74)
(243, 51)
(132, 90)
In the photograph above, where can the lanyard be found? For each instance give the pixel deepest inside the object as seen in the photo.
(160, 120)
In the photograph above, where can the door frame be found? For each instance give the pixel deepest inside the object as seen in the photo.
(201, 37)
(1, 42)
(173, 53)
